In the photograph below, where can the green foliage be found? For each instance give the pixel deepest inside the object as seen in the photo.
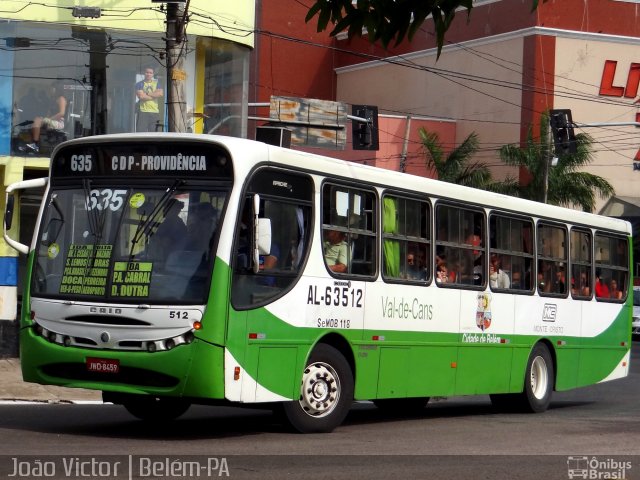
(568, 186)
(457, 167)
(386, 20)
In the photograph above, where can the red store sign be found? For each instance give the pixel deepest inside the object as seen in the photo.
(630, 90)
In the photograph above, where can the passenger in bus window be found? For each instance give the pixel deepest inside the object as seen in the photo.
(498, 278)
(474, 239)
(559, 283)
(544, 276)
(478, 267)
(463, 267)
(443, 259)
(414, 270)
(296, 243)
(584, 285)
(442, 273)
(422, 264)
(516, 280)
(335, 251)
(614, 292)
(602, 289)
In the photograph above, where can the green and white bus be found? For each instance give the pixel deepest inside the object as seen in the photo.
(173, 269)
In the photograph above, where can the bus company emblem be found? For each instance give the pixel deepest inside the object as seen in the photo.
(483, 313)
(549, 312)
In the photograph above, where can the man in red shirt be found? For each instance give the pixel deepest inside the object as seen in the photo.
(602, 289)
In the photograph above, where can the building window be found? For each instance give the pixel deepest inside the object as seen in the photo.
(96, 71)
(225, 78)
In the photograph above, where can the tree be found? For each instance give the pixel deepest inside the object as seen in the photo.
(456, 167)
(385, 20)
(567, 185)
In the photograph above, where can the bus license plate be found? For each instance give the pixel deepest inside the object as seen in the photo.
(103, 365)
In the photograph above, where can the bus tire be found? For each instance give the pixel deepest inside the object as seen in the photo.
(326, 393)
(538, 385)
(539, 380)
(152, 409)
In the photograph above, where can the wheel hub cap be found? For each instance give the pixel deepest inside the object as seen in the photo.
(320, 389)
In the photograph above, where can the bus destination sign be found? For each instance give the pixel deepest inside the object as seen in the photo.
(139, 159)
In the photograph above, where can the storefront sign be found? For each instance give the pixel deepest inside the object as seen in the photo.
(630, 90)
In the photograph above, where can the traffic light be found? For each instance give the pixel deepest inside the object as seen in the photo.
(564, 138)
(365, 134)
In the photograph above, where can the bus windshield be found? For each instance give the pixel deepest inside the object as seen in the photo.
(145, 245)
(131, 223)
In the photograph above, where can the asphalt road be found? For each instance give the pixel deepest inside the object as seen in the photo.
(593, 431)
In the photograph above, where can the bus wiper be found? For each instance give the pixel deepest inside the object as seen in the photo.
(145, 225)
(91, 216)
(95, 225)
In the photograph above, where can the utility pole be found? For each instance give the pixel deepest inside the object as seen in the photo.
(176, 48)
(545, 169)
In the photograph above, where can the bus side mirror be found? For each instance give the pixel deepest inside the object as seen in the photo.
(262, 236)
(10, 206)
(8, 213)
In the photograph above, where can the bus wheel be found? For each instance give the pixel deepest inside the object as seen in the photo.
(402, 406)
(539, 379)
(538, 385)
(326, 393)
(151, 409)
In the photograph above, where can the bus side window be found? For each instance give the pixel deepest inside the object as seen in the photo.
(510, 252)
(286, 200)
(552, 260)
(349, 230)
(612, 268)
(581, 264)
(461, 245)
(405, 232)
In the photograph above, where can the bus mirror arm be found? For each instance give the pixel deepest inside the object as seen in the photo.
(10, 206)
(263, 241)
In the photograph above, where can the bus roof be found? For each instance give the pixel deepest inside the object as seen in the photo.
(253, 153)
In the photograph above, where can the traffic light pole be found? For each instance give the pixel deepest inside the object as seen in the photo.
(562, 125)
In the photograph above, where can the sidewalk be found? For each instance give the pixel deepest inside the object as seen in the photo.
(12, 388)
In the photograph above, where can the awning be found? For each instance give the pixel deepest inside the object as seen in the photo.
(621, 207)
